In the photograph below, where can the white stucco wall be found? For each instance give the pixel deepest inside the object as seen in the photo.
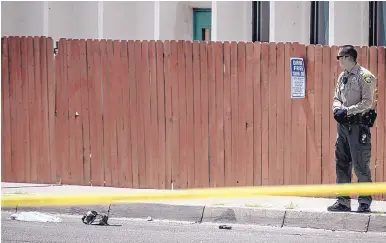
(290, 21)
(349, 23)
(141, 20)
(232, 21)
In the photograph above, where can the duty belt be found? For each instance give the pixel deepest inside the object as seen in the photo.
(356, 119)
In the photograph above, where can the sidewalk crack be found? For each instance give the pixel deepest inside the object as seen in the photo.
(202, 215)
(285, 214)
(368, 224)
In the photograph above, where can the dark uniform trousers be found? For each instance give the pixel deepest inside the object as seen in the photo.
(353, 148)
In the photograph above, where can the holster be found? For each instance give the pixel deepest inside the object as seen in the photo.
(367, 119)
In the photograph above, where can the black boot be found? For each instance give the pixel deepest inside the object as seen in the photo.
(337, 207)
(363, 208)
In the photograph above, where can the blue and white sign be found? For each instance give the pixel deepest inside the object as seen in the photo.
(298, 78)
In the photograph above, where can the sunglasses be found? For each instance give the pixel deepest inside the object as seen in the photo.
(338, 57)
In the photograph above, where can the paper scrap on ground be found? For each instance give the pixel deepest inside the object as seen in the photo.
(35, 217)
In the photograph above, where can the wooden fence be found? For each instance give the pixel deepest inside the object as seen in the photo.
(155, 114)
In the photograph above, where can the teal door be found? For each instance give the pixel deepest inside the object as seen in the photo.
(202, 20)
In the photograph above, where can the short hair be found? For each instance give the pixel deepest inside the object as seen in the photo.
(349, 50)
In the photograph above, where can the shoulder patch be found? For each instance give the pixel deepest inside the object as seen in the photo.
(367, 76)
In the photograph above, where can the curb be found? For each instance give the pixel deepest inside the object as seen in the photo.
(347, 221)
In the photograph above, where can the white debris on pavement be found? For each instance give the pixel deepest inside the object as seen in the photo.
(35, 217)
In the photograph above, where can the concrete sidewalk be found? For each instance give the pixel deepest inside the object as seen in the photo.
(302, 212)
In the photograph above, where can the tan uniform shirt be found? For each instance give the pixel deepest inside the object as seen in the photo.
(357, 95)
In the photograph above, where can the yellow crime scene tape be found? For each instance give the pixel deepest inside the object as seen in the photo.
(13, 200)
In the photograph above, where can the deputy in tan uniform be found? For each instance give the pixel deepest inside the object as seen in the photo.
(353, 101)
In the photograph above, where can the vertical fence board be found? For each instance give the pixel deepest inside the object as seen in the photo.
(212, 115)
(273, 165)
(204, 57)
(96, 106)
(175, 145)
(373, 67)
(280, 107)
(257, 116)
(58, 114)
(84, 115)
(249, 114)
(219, 128)
(228, 173)
(38, 112)
(120, 57)
(145, 94)
(168, 113)
(380, 171)
(327, 173)
(309, 111)
(63, 141)
(241, 152)
(162, 180)
(288, 116)
(234, 110)
(25, 109)
(198, 145)
(318, 80)
(334, 74)
(6, 134)
(265, 112)
(133, 112)
(16, 109)
(181, 80)
(72, 67)
(44, 136)
(126, 173)
(190, 114)
(51, 108)
(303, 126)
(154, 135)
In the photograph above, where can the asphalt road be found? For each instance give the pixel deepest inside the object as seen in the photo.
(73, 230)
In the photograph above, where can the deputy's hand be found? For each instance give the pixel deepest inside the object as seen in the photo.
(340, 115)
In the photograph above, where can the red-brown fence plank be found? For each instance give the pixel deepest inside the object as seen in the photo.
(257, 116)
(126, 171)
(145, 95)
(212, 115)
(181, 80)
(84, 116)
(235, 113)
(189, 114)
(327, 172)
(140, 67)
(280, 107)
(95, 108)
(264, 92)
(162, 180)
(227, 116)
(334, 74)
(288, 116)
(198, 145)
(175, 135)
(219, 127)
(309, 111)
(6, 135)
(33, 119)
(241, 152)
(51, 108)
(373, 67)
(119, 179)
(16, 108)
(249, 114)
(25, 109)
(169, 120)
(56, 168)
(301, 50)
(317, 163)
(133, 112)
(381, 109)
(273, 166)
(204, 57)
(45, 174)
(154, 169)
